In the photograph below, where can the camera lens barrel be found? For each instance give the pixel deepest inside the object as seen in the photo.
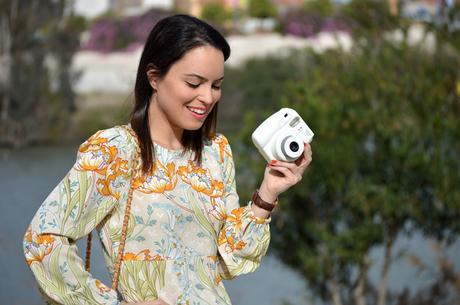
(290, 148)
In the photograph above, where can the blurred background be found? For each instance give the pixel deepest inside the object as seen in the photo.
(376, 220)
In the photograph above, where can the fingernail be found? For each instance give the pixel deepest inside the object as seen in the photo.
(272, 162)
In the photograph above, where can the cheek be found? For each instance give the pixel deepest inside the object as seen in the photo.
(181, 94)
(216, 95)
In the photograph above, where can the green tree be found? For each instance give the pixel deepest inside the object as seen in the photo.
(216, 13)
(323, 7)
(371, 17)
(262, 8)
(385, 159)
(37, 42)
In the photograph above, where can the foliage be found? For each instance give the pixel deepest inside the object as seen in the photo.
(309, 23)
(323, 7)
(216, 13)
(447, 24)
(385, 158)
(314, 17)
(261, 8)
(37, 42)
(370, 17)
(360, 17)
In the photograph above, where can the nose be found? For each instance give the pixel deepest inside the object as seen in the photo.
(206, 95)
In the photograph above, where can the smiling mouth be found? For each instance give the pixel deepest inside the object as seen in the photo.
(199, 113)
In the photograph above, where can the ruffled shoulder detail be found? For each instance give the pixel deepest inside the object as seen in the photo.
(220, 143)
(110, 153)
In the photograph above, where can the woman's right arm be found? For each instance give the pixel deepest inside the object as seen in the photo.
(96, 183)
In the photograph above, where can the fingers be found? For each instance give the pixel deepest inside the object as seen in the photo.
(300, 164)
(306, 158)
(292, 178)
(289, 165)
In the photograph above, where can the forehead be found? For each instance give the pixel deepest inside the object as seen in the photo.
(206, 61)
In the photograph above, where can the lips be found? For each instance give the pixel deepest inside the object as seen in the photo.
(198, 112)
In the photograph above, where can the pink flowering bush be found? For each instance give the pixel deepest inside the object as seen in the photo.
(110, 34)
(309, 23)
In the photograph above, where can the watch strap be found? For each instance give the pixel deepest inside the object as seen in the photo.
(262, 203)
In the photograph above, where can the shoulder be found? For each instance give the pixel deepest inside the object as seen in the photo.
(221, 146)
(108, 144)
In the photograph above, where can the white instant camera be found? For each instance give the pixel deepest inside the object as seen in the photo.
(282, 136)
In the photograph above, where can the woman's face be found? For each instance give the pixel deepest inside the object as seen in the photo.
(187, 93)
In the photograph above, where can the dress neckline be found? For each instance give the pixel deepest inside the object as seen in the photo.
(161, 149)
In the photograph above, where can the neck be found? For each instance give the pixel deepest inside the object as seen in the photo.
(162, 131)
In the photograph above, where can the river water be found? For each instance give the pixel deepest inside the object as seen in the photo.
(28, 175)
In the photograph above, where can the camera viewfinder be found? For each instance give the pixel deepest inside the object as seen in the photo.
(294, 122)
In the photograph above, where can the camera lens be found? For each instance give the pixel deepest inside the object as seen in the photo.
(294, 146)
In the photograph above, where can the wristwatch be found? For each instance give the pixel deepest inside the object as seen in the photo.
(262, 203)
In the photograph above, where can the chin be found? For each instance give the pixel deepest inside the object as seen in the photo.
(191, 126)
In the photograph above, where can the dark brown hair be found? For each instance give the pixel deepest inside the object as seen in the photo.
(168, 41)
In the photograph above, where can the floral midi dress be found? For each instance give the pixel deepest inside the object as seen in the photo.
(186, 231)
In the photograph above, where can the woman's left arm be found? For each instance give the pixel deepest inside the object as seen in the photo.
(245, 235)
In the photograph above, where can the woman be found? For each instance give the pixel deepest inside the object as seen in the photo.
(185, 230)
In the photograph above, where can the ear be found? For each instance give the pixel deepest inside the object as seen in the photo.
(153, 76)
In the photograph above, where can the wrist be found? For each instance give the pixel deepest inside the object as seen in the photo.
(263, 204)
(266, 195)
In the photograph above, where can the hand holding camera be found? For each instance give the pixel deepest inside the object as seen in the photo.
(284, 141)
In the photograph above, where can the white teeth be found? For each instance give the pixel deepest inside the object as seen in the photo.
(197, 111)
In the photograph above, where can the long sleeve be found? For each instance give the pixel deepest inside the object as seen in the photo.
(244, 238)
(95, 184)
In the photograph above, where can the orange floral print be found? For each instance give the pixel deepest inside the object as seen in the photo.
(234, 224)
(114, 170)
(228, 239)
(200, 180)
(222, 142)
(162, 178)
(235, 220)
(143, 255)
(38, 246)
(97, 155)
(102, 288)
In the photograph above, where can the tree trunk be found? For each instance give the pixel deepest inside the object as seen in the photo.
(359, 293)
(335, 291)
(383, 286)
(5, 67)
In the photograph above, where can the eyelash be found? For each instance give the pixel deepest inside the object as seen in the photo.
(196, 86)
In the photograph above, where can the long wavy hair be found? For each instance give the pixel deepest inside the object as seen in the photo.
(168, 42)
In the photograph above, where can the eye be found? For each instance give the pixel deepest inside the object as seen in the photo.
(194, 86)
(217, 86)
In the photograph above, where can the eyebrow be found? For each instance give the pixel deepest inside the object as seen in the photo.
(203, 78)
